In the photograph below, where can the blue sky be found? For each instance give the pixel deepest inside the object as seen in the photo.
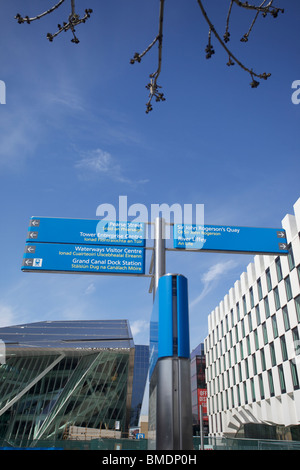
(74, 134)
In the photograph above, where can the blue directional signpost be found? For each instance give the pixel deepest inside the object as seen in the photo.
(83, 259)
(86, 246)
(85, 231)
(226, 239)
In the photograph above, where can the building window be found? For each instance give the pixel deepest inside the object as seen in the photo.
(245, 393)
(254, 364)
(267, 307)
(257, 315)
(241, 350)
(263, 359)
(248, 345)
(295, 334)
(297, 305)
(244, 305)
(228, 379)
(259, 289)
(296, 341)
(252, 390)
(274, 326)
(232, 397)
(272, 354)
(250, 321)
(294, 373)
(246, 368)
(243, 328)
(236, 334)
(261, 386)
(240, 372)
(278, 269)
(281, 379)
(233, 376)
(230, 337)
(298, 271)
(232, 318)
(238, 311)
(286, 320)
(265, 333)
(291, 258)
(235, 355)
(251, 297)
(288, 288)
(226, 322)
(276, 298)
(269, 281)
(283, 348)
(271, 383)
(256, 340)
(239, 395)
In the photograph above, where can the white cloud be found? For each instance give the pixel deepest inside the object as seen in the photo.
(217, 270)
(7, 316)
(139, 327)
(19, 139)
(98, 162)
(90, 289)
(211, 277)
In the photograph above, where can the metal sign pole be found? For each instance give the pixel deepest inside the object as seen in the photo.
(159, 252)
(201, 427)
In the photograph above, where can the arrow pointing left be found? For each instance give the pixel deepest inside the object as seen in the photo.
(28, 262)
(30, 249)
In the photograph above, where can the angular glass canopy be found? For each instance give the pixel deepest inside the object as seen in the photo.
(62, 374)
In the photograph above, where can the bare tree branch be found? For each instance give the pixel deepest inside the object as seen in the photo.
(265, 8)
(73, 20)
(152, 85)
(232, 58)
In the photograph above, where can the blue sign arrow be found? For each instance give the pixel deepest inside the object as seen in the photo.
(85, 231)
(83, 259)
(224, 238)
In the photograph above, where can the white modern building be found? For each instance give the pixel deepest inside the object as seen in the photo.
(253, 348)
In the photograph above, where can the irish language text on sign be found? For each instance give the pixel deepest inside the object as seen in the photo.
(83, 259)
(230, 239)
(85, 231)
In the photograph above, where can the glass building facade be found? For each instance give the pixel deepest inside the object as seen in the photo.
(141, 366)
(57, 375)
(199, 389)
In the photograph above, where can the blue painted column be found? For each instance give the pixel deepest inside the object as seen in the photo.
(170, 408)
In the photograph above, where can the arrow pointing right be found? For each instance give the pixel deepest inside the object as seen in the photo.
(281, 234)
(283, 246)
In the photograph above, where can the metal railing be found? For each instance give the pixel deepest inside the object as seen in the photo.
(209, 443)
